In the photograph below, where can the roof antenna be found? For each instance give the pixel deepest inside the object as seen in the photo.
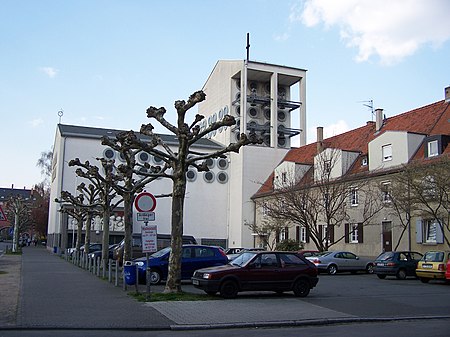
(60, 114)
(369, 104)
(248, 46)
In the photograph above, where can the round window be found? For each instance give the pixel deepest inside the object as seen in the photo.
(144, 157)
(109, 153)
(208, 176)
(210, 162)
(191, 175)
(157, 160)
(222, 177)
(222, 163)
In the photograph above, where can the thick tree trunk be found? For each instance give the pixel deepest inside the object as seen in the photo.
(87, 240)
(79, 233)
(128, 224)
(174, 277)
(105, 238)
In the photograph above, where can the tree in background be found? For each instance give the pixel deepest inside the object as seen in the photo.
(20, 210)
(423, 189)
(319, 202)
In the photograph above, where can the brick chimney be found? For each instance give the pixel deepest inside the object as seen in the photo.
(378, 119)
(319, 139)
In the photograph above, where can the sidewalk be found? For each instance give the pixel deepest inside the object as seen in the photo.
(56, 294)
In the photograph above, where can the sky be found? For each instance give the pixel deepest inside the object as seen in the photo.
(104, 62)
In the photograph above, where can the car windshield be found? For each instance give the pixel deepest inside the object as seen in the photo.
(242, 259)
(323, 253)
(386, 256)
(433, 256)
(161, 252)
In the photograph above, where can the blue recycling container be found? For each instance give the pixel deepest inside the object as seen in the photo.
(129, 272)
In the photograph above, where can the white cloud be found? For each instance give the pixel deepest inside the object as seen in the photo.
(36, 122)
(390, 29)
(49, 71)
(328, 131)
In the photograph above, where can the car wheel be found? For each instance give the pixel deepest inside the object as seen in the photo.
(211, 293)
(424, 280)
(332, 269)
(401, 274)
(301, 288)
(229, 289)
(381, 276)
(155, 277)
(369, 269)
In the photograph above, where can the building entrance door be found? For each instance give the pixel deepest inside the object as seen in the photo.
(387, 236)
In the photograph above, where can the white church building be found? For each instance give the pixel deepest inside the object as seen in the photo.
(264, 98)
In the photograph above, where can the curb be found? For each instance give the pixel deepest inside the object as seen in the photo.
(212, 326)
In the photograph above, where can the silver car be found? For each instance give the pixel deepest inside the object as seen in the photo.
(333, 262)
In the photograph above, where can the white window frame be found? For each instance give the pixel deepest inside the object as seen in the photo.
(302, 234)
(354, 233)
(283, 234)
(430, 231)
(354, 198)
(433, 148)
(386, 152)
(385, 192)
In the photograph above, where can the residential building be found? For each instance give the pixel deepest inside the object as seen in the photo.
(369, 158)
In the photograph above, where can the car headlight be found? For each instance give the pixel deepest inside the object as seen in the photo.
(140, 264)
(206, 275)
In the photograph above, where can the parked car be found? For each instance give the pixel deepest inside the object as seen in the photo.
(433, 265)
(163, 241)
(339, 261)
(259, 271)
(98, 253)
(308, 253)
(193, 257)
(398, 263)
(447, 272)
(92, 248)
(232, 256)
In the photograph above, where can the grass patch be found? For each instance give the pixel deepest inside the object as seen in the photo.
(163, 297)
(3, 272)
(13, 253)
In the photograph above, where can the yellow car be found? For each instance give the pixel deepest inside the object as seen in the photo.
(432, 265)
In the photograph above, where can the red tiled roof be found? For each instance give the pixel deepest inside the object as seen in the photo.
(433, 119)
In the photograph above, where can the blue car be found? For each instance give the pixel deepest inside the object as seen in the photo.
(193, 257)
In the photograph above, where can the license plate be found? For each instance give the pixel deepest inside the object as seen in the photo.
(380, 264)
(427, 266)
(195, 282)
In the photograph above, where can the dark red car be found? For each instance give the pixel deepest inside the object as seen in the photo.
(259, 271)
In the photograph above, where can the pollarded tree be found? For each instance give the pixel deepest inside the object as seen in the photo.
(85, 203)
(179, 160)
(129, 178)
(107, 200)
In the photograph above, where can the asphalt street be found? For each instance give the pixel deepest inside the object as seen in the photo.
(54, 294)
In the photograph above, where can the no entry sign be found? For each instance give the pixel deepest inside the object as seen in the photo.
(145, 202)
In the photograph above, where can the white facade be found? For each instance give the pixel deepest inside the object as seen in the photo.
(218, 203)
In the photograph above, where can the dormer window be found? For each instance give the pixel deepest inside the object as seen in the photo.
(433, 148)
(387, 152)
(364, 161)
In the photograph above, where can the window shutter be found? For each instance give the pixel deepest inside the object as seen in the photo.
(360, 233)
(439, 233)
(307, 234)
(419, 231)
(346, 233)
(286, 231)
(297, 233)
(331, 233)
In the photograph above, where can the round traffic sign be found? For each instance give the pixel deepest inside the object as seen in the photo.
(145, 202)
